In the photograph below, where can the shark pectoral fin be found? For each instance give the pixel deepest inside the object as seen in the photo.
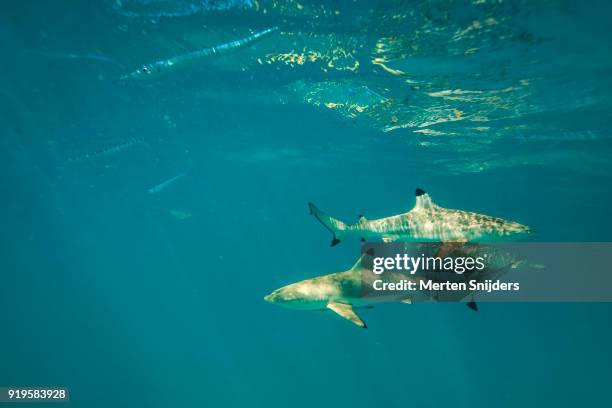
(347, 312)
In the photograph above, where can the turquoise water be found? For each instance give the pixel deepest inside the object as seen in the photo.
(139, 298)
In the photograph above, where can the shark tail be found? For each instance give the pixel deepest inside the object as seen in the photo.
(334, 225)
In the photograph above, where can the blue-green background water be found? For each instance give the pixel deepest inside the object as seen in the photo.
(138, 299)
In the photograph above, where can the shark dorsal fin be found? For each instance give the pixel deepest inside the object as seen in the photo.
(365, 257)
(423, 200)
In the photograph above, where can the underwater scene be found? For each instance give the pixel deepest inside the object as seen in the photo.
(173, 171)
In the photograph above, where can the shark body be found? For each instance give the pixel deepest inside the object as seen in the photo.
(343, 292)
(339, 292)
(425, 222)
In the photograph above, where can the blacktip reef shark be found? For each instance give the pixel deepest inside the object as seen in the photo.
(339, 292)
(426, 222)
(343, 292)
(158, 68)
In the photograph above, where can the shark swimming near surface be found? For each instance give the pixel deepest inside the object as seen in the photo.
(425, 222)
(343, 292)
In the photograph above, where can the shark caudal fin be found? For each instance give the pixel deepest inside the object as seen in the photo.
(336, 226)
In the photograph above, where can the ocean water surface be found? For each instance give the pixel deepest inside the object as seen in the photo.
(144, 219)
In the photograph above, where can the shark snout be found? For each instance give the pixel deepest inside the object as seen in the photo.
(284, 296)
(279, 296)
(271, 297)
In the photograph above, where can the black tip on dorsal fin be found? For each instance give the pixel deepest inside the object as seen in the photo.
(335, 241)
(419, 192)
(472, 305)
